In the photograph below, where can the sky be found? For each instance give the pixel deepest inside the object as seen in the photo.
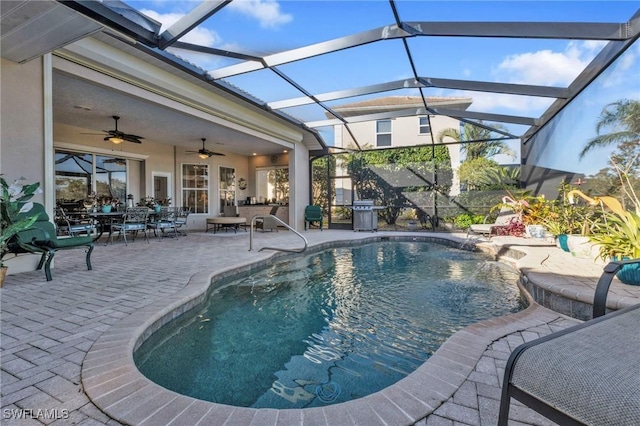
(265, 27)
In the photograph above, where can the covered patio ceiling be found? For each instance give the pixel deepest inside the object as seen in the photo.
(305, 82)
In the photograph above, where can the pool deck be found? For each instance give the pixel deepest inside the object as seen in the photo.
(66, 344)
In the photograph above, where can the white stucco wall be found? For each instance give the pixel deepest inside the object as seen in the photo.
(22, 130)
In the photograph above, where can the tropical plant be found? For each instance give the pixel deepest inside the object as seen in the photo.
(482, 174)
(623, 117)
(537, 209)
(565, 216)
(478, 142)
(14, 200)
(514, 228)
(618, 235)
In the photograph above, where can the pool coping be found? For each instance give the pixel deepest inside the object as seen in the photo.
(114, 384)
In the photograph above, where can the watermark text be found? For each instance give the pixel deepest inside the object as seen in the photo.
(39, 414)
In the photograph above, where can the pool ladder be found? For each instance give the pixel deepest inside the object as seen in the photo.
(281, 222)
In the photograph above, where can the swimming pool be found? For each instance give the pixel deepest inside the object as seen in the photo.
(327, 327)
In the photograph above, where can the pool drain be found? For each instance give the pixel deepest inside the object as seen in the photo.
(328, 392)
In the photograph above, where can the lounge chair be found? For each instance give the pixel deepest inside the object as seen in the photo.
(588, 374)
(268, 223)
(41, 239)
(312, 214)
(504, 217)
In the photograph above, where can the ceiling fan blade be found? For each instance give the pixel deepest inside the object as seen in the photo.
(132, 138)
(129, 135)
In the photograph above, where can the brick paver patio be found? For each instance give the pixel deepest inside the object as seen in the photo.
(48, 328)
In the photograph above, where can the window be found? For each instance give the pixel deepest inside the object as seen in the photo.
(227, 186)
(425, 127)
(272, 185)
(195, 187)
(383, 133)
(161, 188)
(79, 174)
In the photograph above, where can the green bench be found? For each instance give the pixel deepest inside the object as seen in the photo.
(41, 239)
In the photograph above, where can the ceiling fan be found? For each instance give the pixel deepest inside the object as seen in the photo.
(116, 136)
(203, 152)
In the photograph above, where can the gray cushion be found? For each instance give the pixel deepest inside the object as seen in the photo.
(591, 374)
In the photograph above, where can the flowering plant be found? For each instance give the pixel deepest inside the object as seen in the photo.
(14, 200)
(93, 200)
(151, 202)
(147, 201)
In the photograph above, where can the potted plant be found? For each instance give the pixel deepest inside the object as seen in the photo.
(14, 200)
(105, 203)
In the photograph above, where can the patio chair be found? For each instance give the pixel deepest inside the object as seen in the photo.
(504, 217)
(41, 239)
(313, 214)
(181, 220)
(164, 220)
(133, 221)
(588, 374)
(268, 223)
(73, 226)
(229, 211)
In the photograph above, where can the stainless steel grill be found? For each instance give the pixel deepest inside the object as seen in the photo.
(365, 217)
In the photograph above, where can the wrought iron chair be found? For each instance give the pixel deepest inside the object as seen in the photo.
(66, 225)
(164, 220)
(133, 221)
(181, 219)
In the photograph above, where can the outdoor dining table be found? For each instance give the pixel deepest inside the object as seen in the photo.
(104, 221)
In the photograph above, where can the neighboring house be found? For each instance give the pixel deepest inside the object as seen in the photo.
(400, 131)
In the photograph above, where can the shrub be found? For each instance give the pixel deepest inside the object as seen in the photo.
(465, 220)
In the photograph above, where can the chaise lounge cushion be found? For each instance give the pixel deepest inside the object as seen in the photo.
(591, 374)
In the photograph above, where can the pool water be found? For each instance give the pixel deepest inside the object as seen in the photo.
(327, 327)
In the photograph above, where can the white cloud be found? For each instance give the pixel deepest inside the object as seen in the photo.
(546, 67)
(509, 104)
(619, 72)
(267, 12)
(198, 35)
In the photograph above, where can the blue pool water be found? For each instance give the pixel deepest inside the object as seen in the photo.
(327, 327)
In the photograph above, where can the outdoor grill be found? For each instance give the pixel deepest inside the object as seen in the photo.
(365, 217)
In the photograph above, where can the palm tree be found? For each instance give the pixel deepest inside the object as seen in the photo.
(623, 118)
(487, 148)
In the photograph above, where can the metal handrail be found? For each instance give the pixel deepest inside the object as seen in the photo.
(260, 216)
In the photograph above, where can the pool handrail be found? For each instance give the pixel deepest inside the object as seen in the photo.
(281, 222)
